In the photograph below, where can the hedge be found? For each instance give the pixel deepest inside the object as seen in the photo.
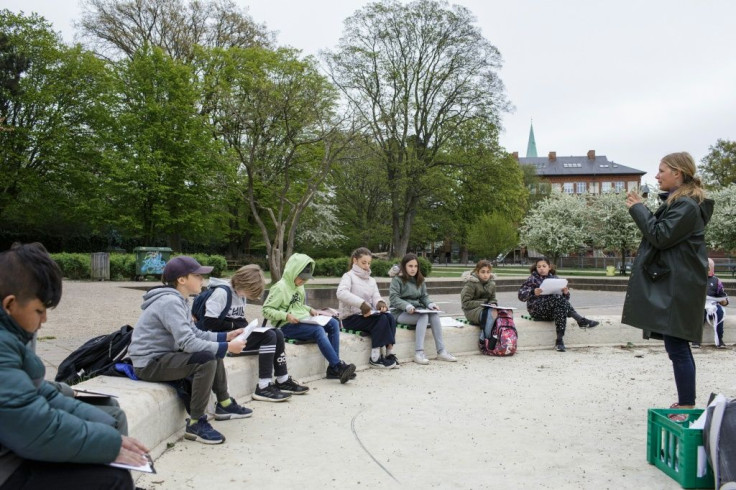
(122, 266)
(379, 268)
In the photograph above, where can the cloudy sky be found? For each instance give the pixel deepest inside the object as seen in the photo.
(632, 80)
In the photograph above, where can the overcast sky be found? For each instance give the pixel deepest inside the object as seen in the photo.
(631, 79)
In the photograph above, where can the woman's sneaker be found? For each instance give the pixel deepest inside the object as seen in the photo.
(560, 346)
(420, 359)
(446, 356)
(291, 386)
(382, 363)
(270, 394)
(202, 431)
(585, 323)
(232, 411)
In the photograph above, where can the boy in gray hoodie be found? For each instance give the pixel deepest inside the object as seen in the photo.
(166, 346)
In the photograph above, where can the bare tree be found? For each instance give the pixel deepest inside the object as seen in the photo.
(121, 27)
(416, 73)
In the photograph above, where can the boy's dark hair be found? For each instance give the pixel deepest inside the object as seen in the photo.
(419, 278)
(28, 272)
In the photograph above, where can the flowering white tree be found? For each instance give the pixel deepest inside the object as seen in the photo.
(610, 225)
(557, 226)
(720, 232)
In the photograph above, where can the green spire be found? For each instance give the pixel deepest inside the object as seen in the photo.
(531, 148)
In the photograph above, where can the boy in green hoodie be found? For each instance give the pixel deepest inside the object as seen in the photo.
(285, 308)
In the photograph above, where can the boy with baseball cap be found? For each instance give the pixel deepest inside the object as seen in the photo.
(166, 346)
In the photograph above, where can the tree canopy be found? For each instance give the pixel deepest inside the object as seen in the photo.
(719, 165)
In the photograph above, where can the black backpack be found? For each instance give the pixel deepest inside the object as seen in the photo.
(96, 357)
(199, 305)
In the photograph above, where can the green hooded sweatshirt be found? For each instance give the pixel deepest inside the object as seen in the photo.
(285, 297)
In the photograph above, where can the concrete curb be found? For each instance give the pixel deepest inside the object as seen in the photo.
(156, 416)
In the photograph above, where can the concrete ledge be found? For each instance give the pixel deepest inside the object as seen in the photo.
(156, 416)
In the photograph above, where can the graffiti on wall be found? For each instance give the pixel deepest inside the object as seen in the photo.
(152, 263)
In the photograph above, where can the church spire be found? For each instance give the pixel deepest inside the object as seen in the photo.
(531, 148)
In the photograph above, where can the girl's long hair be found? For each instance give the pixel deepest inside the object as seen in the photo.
(482, 263)
(405, 275)
(552, 267)
(357, 254)
(691, 186)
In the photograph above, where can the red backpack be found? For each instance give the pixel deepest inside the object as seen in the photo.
(503, 338)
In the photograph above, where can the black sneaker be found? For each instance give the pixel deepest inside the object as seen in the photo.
(585, 323)
(202, 431)
(291, 386)
(392, 357)
(232, 411)
(270, 394)
(560, 346)
(721, 345)
(346, 371)
(696, 345)
(334, 373)
(382, 363)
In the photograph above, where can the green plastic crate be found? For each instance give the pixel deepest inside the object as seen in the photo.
(673, 447)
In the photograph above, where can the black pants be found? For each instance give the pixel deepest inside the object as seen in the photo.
(271, 352)
(382, 327)
(32, 475)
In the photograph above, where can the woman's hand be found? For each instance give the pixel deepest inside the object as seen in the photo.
(132, 452)
(233, 333)
(632, 198)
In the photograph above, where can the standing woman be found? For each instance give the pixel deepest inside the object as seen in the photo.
(408, 292)
(362, 308)
(666, 291)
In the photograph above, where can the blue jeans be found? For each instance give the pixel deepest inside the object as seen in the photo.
(683, 366)
(327, 337)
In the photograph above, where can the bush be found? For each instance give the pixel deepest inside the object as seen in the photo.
(334, 267)
(217, 261)
(122, 266)
(425, 266)
(380, 268)
(73, 266)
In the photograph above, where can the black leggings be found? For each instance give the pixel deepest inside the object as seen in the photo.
(271, 352)
(32, 475)
(552, 307)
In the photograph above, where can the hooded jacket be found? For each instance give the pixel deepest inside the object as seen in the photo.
(166, 326)
(357, 286)
(673, 247)
(36, 421)
(403, 294)
(476, 293)
(285, 297)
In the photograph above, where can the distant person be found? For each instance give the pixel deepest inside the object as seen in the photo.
(408, 293)
(363, 309)
(667, 287)
(167, 346)
(48, 440)
(479, 289)
(285, 307)
(555, 307)
(716, 299)
(248, 282)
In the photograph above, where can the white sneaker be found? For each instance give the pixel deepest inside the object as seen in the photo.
(420, 359)
(446, 356)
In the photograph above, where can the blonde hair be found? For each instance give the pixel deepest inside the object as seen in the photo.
(250, 279)
(691, 184)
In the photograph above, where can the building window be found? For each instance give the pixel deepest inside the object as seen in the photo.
(593, 187)
(568, 188)
(580, 188)
(620, 187)
(606, 187)
(632, 184)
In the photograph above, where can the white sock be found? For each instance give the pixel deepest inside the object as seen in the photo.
(389, 350)
(264, 382)
(282, 379)
(375, 353)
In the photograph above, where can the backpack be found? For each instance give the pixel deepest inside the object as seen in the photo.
(719, 440)
(503, 337)
(199, 305)
(95, 357)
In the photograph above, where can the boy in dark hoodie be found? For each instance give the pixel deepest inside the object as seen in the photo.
(285, 307)
(48, 440)
(167, 346)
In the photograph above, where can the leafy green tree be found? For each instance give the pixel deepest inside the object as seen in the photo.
(556, 226)
(52, 98)
(719, 165)
(492, 234)
(165, 171)
(414, 73)
(276, 115)
(720, 232)
(610, 225)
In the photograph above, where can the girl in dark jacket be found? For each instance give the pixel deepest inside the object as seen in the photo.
(479, 289)
(666, 290)
(555, 307)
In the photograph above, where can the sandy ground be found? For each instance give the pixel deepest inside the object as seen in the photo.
(539, 419)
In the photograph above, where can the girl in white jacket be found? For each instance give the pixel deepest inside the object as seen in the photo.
(361, 308)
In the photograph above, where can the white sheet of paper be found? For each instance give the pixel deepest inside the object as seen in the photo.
(499, 307)
(316, 320)
(146, 468)
(427, 310)
(248, 330)
(553, 286)
(447, 321)
(714, 299)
